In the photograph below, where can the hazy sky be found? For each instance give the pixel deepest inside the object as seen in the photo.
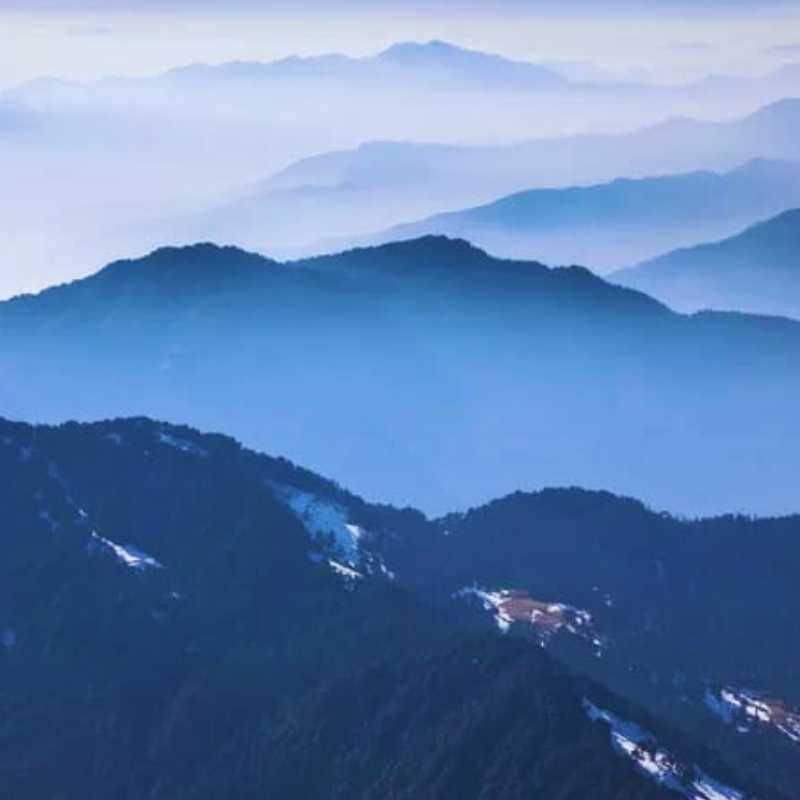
(663, 40)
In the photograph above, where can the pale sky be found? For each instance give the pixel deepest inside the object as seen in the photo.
(87, 39)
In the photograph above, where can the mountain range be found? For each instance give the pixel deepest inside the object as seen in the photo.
(622, 222)
(757, 271)
(436, 440)
(423, 372)
(441, 64)
(438, 62)
(182, 617)
(340, 196)
(191, 149)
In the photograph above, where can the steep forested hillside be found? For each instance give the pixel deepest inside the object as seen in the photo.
(184, 618)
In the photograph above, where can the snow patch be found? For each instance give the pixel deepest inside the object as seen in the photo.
(129, 555)
(8, 639)
(707, 788)
(511, 606)
(492, 601)
(183, 445)
(344, 571)
(324, 519)
(746, 708)
(632, 741)
(385, 570)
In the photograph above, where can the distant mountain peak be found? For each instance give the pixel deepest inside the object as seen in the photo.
(452, 58)
(423, 252)
(433, 245)
(443, 59)
(433, 47)
(201, 249)
(184, 267)
(200, 254)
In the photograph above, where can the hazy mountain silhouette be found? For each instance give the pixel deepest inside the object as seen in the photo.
(344, 194)
(184, 618)
(757, 271)
(437, 61)
(423, 371)
(192, 146)
(624, 221)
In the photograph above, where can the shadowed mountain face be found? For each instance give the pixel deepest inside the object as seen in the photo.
(757, 271)
(621, 222)
(180, 617)
(338, 196)
(423, 372)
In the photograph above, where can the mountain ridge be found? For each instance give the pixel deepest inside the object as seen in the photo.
(439, 253)
(225, 570)
(449, 62)
(755, 270)
(623, 221)
(586, 373)
(333, 199)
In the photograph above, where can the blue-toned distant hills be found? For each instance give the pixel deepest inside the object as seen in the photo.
(424, 372)
(621, 222)
(322, 202)
(441, 63)
(181, 156)
(757, 271)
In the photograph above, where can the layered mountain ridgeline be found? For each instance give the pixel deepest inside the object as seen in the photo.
(351, 193)
(184, 618)
(438, 63)
(757, 271)
(435, 64)
(676, 145)
(413, 68)
(622, 222)
(423, 372)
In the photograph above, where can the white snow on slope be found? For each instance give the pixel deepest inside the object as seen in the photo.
(322, 519)
(632, 741)
(129, 555)
(709, 789)
(345, 572)
(746, 707)
(328, 523)
(492, 601)
(180, 444)
(546, 619)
